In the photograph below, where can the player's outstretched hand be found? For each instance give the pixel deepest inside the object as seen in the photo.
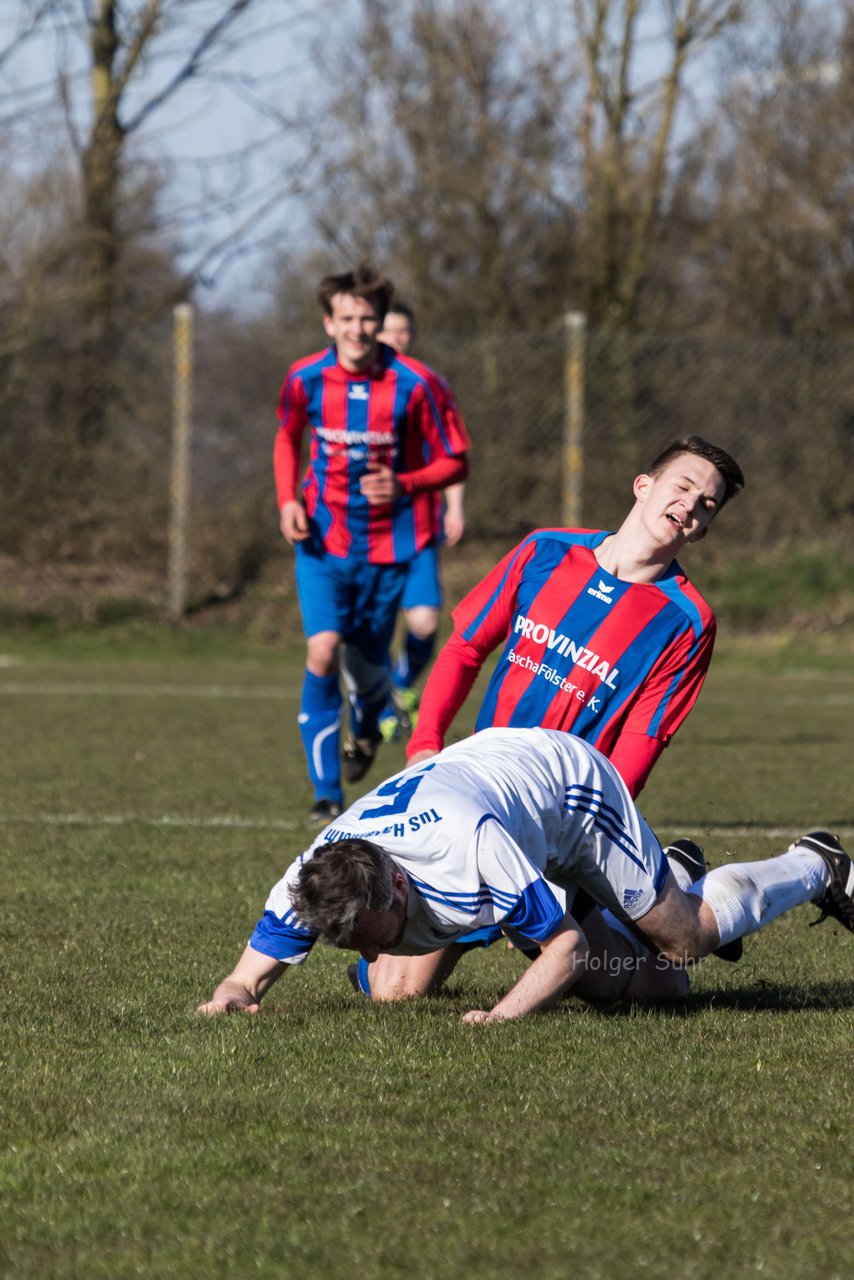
(475, 1016)
(229, 997)
(418, 756)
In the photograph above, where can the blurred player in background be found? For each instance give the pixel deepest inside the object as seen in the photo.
(385, 438)
(422, 595)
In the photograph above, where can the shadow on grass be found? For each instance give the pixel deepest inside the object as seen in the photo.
(776, 997)
(758, 997)
(835, 822)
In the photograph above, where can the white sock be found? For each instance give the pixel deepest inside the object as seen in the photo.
(748, 895)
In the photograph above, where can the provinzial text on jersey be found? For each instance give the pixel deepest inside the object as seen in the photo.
(339, 435)
(582, 657)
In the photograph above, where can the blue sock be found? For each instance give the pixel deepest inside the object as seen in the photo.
(320, 728)
(414, 656)
(362, 976)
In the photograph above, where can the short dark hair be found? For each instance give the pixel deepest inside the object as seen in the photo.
(401, 308)
(340, 881)
(363, 282)
(724, 462)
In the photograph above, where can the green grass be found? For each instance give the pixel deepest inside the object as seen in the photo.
(328, 1138)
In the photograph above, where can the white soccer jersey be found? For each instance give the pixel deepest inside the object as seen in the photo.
(481, 830)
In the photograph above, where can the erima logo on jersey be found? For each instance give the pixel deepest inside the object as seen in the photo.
(602, 592)
(358, 391)
(539, 633)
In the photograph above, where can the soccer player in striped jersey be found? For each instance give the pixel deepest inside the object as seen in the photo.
(385, 438)
(522, 828)
(603, 634)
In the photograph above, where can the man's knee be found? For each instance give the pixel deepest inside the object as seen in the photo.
(323, 653)
(422, 620)
(679, 927)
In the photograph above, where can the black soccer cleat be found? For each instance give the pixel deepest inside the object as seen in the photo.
(691, 857)
(357, 756)
(838, 898)
(324, 811)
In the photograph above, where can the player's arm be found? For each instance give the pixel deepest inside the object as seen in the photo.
(287, 451)
(454, 522)
(242, 990)
(432, 414)
(528, 904)
(449, 684)
(633, 756)
(562, 959)
(278, 941)
(380, 484)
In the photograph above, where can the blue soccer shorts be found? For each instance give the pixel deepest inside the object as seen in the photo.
(422, 581)
(357, 600)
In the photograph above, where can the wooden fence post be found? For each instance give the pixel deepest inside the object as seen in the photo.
(573, 435)
(179, 488)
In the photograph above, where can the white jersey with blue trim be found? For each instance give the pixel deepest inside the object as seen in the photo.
(492, 831)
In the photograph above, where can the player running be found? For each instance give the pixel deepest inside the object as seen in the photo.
(385, 439)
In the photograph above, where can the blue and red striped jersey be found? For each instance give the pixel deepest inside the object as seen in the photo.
(585, 651)
(400, 414)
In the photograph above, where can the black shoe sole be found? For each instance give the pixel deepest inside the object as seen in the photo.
(836, 901)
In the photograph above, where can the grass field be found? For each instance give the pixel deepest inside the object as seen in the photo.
(152, 791)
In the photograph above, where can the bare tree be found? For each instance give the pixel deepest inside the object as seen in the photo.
(531, 148)
(776, 247)
(120, 67)
(634, 87)
(437, 101)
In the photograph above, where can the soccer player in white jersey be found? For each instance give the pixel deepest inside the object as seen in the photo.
(515, 827)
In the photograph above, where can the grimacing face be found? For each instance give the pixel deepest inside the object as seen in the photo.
(681, 501)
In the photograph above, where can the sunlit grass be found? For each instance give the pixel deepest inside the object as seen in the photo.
(329, 1138)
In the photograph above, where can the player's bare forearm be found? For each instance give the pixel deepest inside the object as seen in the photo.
(242, 990)
(561, 960)
(454, 520)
